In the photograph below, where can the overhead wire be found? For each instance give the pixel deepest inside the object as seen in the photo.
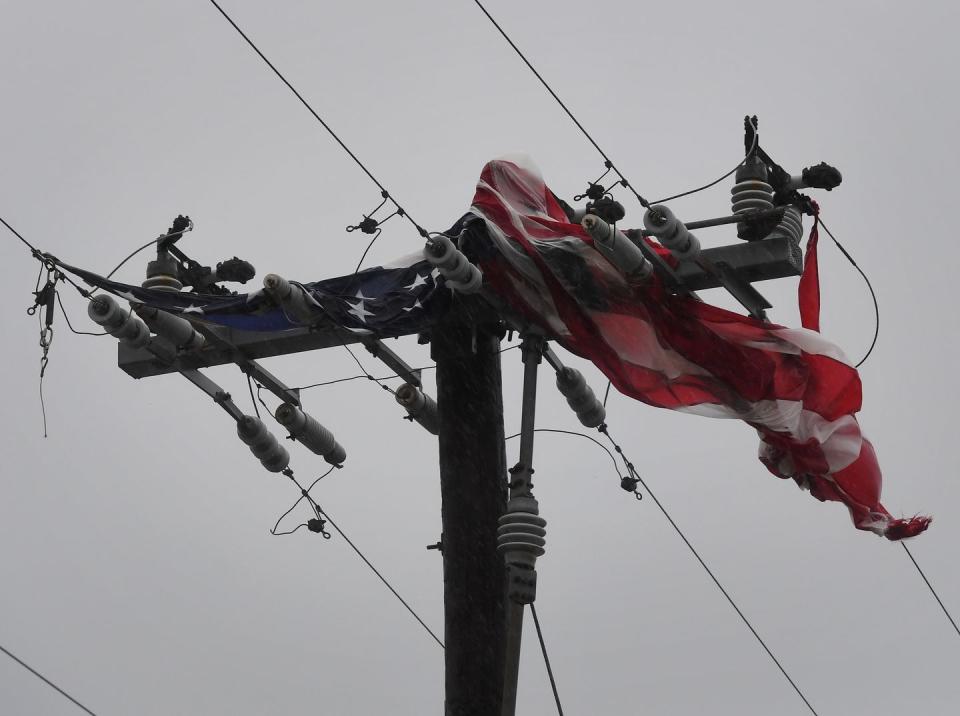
(930, 586)
(546, 658)
(323, 514)
(710, 573)
(320, 119)
(44, 678)
(609, 162)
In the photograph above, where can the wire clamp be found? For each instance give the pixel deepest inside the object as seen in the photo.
(317, 525)
(369, 224)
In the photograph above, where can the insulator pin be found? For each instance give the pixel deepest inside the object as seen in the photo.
(420, 406)
(671, 232)
(176, 330)
(618, 249)
(118, 322)
(305, 428)
(461, 275)
(580, 397)
(264, 446)
(291, 297)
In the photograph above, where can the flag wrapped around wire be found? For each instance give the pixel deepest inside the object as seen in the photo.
(798, 390)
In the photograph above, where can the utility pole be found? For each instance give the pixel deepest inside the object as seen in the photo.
(473, 491)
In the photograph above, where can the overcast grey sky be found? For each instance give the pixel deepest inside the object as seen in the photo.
(136, 566)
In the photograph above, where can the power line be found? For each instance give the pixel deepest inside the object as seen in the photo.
(386, 194)
(711, 574)
(932, 590)
(38, 674)
(873, 295)
(609, 162)
(546, 659)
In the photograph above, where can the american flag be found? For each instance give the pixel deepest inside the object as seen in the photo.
(396, 299)
(795, 388)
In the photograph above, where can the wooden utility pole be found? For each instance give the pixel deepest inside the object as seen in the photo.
(473, 490)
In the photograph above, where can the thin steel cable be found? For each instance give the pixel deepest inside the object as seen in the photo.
(320, 511)
(546, 659)
(367, 250)
(252, 399)
(572, 432)
(302, 496)
(625, 181)
(316, 116)
(380, 576)
(33, 249)
(386, 377)
(606, 393)
(714, 578)
(873, 295)
(932, 590)
(44, 678)
(753, 148)
(70, 325)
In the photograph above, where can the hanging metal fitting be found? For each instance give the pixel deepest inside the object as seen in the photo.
(369, 225)
(317, 525)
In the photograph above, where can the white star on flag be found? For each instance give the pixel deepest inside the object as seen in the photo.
(416, 304)
(418, 281)
(129, 296)
(360, 311)
(193, 309)
(362, 297)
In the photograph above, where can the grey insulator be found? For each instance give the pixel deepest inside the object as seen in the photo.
(420, 406)
(291, 297)
(305, 428)
(791, 225)
(264, 446)
(751, 195)
(521, 533)
(461, 275)
(176, 330)
(660, 221)
(118, 321)
(580, 397)
(618, 249)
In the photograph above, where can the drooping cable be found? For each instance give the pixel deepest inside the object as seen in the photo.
(930, 586)
(753, 148)
(873, 295)
(66, 317)
(316, 116)
(712, 576)
(546, 659)
(44, 678)
(573, 432)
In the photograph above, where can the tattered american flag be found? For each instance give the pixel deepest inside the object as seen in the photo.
(798, 390)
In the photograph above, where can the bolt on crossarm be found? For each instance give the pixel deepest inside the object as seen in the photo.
(520, 536)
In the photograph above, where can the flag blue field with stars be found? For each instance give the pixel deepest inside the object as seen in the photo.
(396, 299)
